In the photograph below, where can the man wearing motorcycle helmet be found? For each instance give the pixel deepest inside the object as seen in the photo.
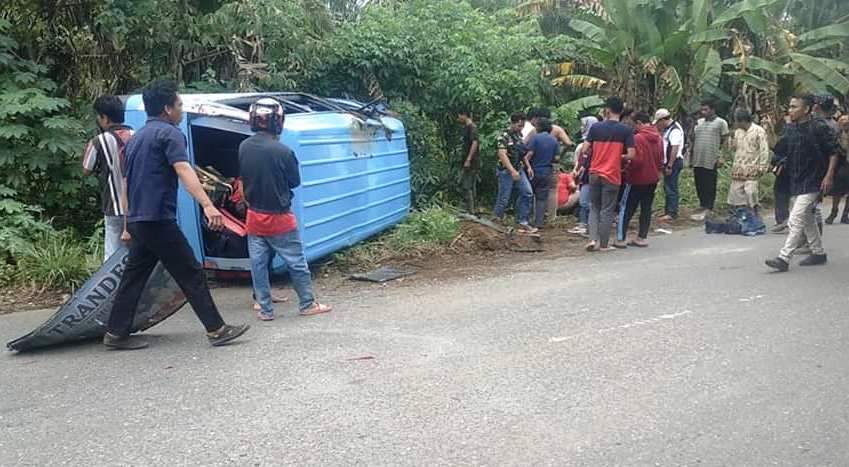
(269, 172)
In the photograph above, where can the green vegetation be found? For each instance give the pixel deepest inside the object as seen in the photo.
(427, 58)
(424, 232)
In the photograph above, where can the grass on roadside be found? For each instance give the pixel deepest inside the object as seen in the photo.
(422, 233)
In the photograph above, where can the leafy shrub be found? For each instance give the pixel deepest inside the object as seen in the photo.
(54, 260)
(19, 225)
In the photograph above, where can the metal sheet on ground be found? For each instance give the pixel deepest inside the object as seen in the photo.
(85, 314)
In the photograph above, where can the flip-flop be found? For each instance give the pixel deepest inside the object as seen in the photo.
(591, 247)
(638, 245)
(316, 309)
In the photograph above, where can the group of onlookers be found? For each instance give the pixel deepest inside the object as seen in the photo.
(624, 155)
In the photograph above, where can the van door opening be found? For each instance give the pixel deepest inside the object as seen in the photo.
(215, 145)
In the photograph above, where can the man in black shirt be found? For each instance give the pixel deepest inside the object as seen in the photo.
(810, 152)
(471, 160)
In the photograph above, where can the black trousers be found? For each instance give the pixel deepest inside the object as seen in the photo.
(705, 186)
(781, 191)
(633, 197)
(153, 242)
(541, 185)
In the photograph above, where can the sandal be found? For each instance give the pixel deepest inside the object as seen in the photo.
(226, 334)
(638, 244)
(263, 316)
(316, 309)
(591, 247)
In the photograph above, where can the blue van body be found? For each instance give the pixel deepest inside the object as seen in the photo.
(355, 168)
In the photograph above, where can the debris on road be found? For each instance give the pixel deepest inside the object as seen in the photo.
(382, 274)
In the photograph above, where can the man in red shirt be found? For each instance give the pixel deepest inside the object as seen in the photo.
(610, 142)
(640, 181)
(269, 172)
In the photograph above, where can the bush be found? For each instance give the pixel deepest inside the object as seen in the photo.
(54, 260)
(424, 232)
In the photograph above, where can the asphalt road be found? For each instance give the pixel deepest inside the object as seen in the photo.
(688, 353)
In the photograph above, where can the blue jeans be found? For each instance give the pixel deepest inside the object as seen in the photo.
(289, 247)
(670, 188)
(506, 184)
(584, 210)
(113, 227)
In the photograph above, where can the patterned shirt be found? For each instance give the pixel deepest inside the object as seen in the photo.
(751, 153)
(104, 157)
(805, 149)
(707, 142)
(511, 141)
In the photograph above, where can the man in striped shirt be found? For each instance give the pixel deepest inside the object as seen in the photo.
(104, 157)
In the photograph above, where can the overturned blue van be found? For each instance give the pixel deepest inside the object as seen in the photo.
(355, 168)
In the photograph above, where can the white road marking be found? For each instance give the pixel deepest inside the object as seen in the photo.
(632, 324)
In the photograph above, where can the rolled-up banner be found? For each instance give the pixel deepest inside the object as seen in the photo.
(85, 314)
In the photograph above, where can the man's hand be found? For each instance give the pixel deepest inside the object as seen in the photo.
(125, 236)
(827, 184)
(530, 173)
(214, 218)
(515, 175)
(467, 164)
(667, 170)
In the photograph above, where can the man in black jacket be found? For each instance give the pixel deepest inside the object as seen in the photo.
(269, 171)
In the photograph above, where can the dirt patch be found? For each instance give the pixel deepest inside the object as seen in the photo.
(14, 299)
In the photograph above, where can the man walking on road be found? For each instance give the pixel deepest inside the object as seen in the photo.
(471, 161)
(270, 172)
(156, 158)
(810, 150)
(104, 157)
(673, 161)
(711, 132)
(609, 142)
(751, 161)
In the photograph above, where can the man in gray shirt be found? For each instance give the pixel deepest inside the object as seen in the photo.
(711, 132)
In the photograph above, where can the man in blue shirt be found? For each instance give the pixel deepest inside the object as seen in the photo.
(156, 159)
(543, 149)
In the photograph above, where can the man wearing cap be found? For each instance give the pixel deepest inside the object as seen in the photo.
(673, 160)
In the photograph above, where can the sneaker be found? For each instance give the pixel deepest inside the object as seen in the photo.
(778, 264)
(844, 220)
(113, 342)
(830, 219)
(779, 228)
(227, 334)
(814, 260)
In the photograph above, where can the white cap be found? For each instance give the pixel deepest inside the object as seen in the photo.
(661, 114)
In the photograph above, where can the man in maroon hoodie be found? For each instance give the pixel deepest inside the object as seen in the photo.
(641, 179)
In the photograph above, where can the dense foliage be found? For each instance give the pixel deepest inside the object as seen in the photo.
(427, 58)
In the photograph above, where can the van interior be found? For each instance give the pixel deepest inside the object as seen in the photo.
(218, 149)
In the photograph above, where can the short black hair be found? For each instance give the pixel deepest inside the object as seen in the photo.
(614, 104)
(111, 107)
(539, 112)
(826, 103)
(743, 115)
(517, 117)
(465, 112)
(709, 103)
(544, 125)
(159, 94)
(642, 117)
(627, 113)
(808, 99)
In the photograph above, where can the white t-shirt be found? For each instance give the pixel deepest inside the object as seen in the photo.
(674, 136)
(528, 128)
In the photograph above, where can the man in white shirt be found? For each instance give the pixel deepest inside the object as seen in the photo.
(673, 160)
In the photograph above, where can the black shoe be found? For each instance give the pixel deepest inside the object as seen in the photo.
(814, 260)
(844, 220)
(227, 333)
(830, 219)
(124, 343)
(778, 264)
